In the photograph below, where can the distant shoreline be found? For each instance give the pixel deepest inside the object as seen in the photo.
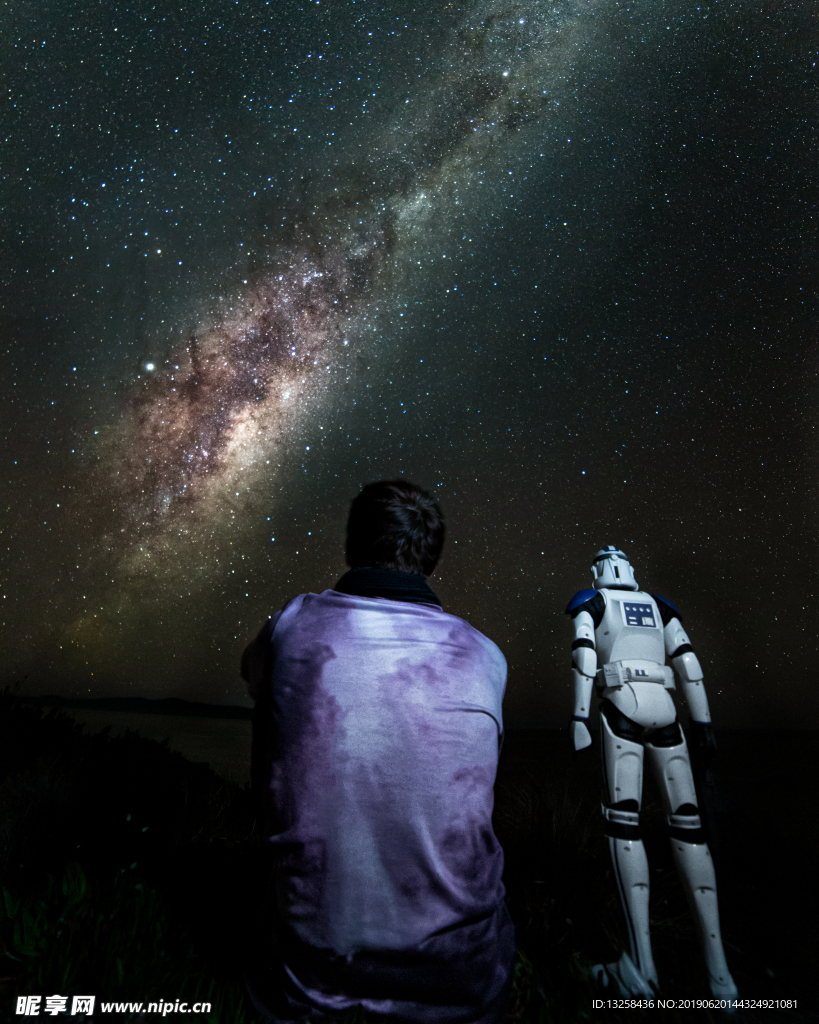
(200, 709)
(146, 705)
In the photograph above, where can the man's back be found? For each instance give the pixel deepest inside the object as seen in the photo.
(384, 719)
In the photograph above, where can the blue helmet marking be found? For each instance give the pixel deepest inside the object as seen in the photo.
(581, 597)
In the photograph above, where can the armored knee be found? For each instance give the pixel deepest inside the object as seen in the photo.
(685, 826)
(622, 820)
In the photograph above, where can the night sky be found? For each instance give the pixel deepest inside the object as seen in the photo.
(555, 262)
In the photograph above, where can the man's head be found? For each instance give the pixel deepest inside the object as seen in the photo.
(394, 524)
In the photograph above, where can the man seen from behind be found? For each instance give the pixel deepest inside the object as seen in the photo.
(376, 737)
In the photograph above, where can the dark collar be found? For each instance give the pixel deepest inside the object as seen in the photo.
(368, 581)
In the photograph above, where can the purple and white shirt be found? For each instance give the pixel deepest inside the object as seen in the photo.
(385, 720)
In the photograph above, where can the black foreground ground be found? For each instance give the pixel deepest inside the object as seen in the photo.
(124, 872)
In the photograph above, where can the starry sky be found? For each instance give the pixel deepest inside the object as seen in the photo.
(554, 261)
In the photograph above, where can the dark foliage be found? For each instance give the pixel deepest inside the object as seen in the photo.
(127, 871)
(123, 867)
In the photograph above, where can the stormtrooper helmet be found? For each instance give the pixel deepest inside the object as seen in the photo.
(611, 570)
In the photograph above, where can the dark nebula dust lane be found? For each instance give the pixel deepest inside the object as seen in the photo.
(217, 404)
(554, 261)
(211, 401)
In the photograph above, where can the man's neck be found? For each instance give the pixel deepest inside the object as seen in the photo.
(374, 581)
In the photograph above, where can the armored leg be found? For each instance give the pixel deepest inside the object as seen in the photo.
(668, 754)
(623, 779)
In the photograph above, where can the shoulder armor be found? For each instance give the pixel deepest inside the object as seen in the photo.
(668, 610)
(581, 597)
(591, 601)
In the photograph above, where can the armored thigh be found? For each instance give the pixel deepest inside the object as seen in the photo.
(668, 754)
(622, 751)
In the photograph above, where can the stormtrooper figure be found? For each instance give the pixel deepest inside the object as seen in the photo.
(622, 637)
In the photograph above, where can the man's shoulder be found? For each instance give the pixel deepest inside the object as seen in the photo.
(424, 622)
(468, 630)
(472, 643)
(288, 608)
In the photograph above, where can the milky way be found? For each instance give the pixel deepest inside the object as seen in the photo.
(216, 407)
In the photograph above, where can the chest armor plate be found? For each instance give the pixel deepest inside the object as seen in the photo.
(631, 628)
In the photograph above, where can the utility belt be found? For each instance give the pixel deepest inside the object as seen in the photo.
(618, 673)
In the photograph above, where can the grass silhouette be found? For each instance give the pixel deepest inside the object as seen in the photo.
(127, 872)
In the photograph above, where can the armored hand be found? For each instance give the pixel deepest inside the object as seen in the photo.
(703, 743)
(579, 733)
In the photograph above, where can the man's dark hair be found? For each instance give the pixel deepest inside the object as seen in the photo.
(394, 524)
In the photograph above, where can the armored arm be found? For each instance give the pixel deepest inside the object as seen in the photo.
(688, 670)
(687, 667)
(586, 608)
(584, 667)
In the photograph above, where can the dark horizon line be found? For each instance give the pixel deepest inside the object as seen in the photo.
(177, 706)
(146, 705)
